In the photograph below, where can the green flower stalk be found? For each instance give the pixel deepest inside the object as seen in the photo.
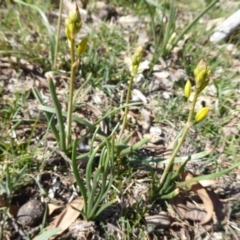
(202, 75)
(73, 25)
(136, 59)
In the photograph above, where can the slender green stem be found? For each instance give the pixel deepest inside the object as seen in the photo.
(181, 140)
(170, 27)
(153, 29)
(58, 33)
(126, 108)
(193, 22)
(71, 88)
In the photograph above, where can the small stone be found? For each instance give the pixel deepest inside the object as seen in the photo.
(155, 130)
(139, 78)
(137, 95)
(218, 235)
(30, 213)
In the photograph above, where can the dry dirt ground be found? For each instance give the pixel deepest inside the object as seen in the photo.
(207, 210)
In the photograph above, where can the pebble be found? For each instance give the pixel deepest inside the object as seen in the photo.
(31, 213)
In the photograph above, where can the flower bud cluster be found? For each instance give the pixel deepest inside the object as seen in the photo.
(136, 59)
(201, 75)
(73, 23)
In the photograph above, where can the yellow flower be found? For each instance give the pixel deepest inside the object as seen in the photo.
(201, 114)
(187, 89)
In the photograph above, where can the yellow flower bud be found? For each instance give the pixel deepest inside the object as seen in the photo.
(82, 46)
(201, 74)
(201, 114)
(136, 59)
(187, 89)
(73, 23)
(171, 195)
(200, 70)
(68, 34)
(170, 42)
(171, 39)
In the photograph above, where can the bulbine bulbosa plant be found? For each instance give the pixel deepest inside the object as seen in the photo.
(63, 135)
(136, 59)
(73, 26)
(100, 174)
(98, 183)
(166, 188)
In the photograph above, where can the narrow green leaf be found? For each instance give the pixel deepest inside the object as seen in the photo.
(208, 176)
(177, 159)
(58, 114)
(47, 234)
(136, 146)
(47, 25)
(104, 206)
(48, 115)
(76, 173)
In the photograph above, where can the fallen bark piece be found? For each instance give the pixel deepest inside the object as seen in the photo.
(161, 220)
(226, 28)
